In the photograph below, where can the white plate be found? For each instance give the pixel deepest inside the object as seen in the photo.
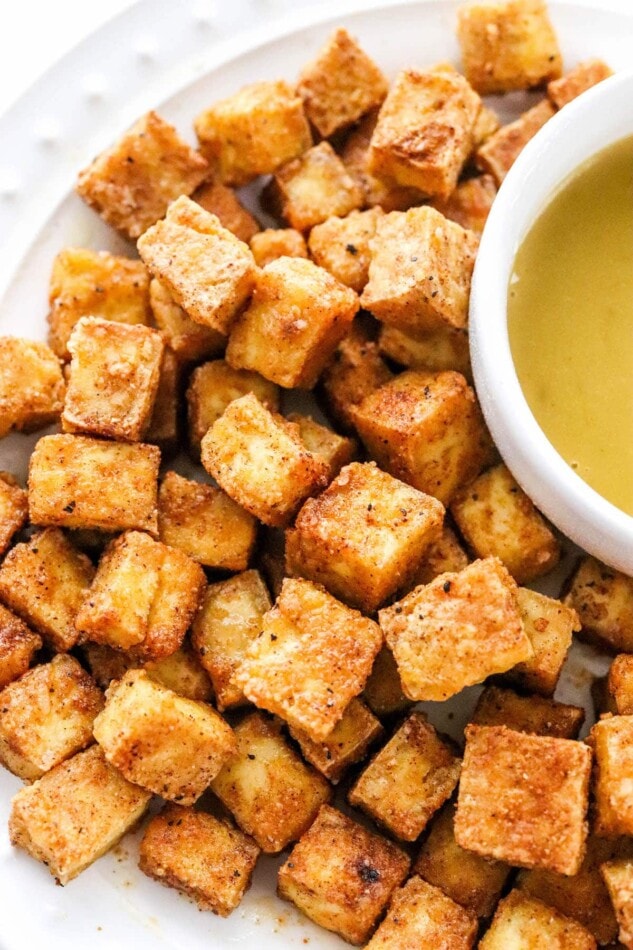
(178, 58)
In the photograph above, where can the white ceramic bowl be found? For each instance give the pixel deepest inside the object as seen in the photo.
(599, 117)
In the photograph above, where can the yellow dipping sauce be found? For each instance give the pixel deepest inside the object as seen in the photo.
(570, 319)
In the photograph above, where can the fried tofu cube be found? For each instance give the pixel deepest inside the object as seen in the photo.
(342, 246)
(75, 813)
(612, 741)
(314, 187)
(189, 341)
(469, 205)
(272, 243)
(444, 554)
(207, 859)
(355, 370)
(46, 716)
(260, 461)
(620, 684)
(105, 663)
(31, 385)
(337, 450)
(143, 598)
(582, 77)
(618, 876)
(311, 659)
(507, 45)
(170, 745)
(468, 879)
(364, 536)
(408, 780)
(422, 916)
(207, 270)
(44, 581)
(431, 350)
(533, 714)
(222, 201)
(181, 672)
(229, 619)
(603, 600)
(18, 645)
(499, 152)
(205, 524)
(346, 744)
(383, 690)
(424, 132)
(163, 429)
(522, 921)
(253, 132)
(426, 429)
(132, 183)
(272, 794)
(497, 519)
(342, 876)
(523, 798)
(79, 482)
(14, 509)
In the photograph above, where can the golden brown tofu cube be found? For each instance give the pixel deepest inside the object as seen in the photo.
(468, 879)
(534, 714)
(524, 922)
(486, 123)
(356, 369)
(75, 813)
(260, 461)
(620, 683)
(603, 600)
(408, 780)
(523, 798)
(337, 450)
(420, 271)
(272, 794)
(341, 876)
(424, 132)
(187, 339)
(204, 523)
(222, 201)
(444, 554)
(618, 876)
(14, 509)
(79, 482)
(426, 429)
(205, 858)
(132, 183)
(470, 203)
(421, 916)
(364, 536)
(253, 132)
(432, 350)
(44, 580)
(346, 744)
(46, 716)
(577, 80)
(31, 385)
(229, 619)
(383, 690)
(18, 645)
(507, 44)
(170, 745)
(207, 270)
(105, 663)
(312, 658)
(499, 152)
(272, 243)
(164, 424)
(296, 318)
(143, 598)
(183, 673)
(497, 519)
(342, 246)
(612, 741)
(314, 187)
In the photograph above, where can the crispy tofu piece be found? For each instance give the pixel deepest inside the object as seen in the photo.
(341, 876)
(444, 554)
(469, 205)
(603, 701)
(272, 794)
(612, 741)
(31, 385)
(427, 430)
(346, 744)
(314, 187)
(618, 877)
(75, 813)
(222, 201)
(421, 916)
(364, 536)
(424, 132)
(229, 619)
(431, 350)
(507, 45)
(143, 598)
(46, 716)
(497, 519)
(87, 283)
(582, 77)
(207, 859)
(420, 271)
(620, 684)
(207, 270)
(189, 341)
(170, 745)
(132, 183)
(486, 123)
(105, 663)
(311, 659)
(163, 429)
(79, 482)
(253, 132)
(603, 600)
(44, 581)
(272, 243)
(337, 450)
(14, 509)
(18, 645)
(533, 714)
(183, 673)
(408, 780)
(524, 922)
(523, 798)
(355, 370)
(260, 461)
(383, 690)
(342, 246)
(204, 523)
(468, 879)
(296, 318)
(499, 152)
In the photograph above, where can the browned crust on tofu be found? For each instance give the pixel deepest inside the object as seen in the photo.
(422, 917)
(577, 80)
